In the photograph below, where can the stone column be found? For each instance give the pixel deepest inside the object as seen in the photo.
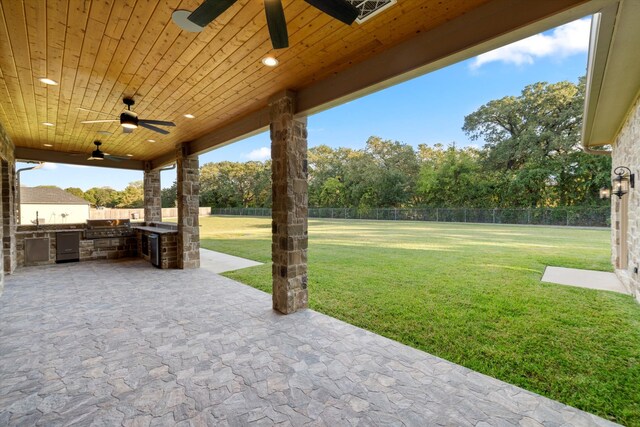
(8, 216)
(152, 196)
(289, 210)
(188, 208)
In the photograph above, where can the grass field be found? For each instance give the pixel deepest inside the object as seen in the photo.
(470, 294)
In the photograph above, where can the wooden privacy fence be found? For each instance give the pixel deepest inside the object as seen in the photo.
(113, 213)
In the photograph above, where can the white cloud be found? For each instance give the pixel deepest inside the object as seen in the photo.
(259, 154)
(50, 166)
(563, 41)
(77, 166)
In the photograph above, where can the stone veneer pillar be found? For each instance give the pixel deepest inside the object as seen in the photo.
(8, 259)
(188, 208)
(8, 216)
(152, 196)
(289, 210)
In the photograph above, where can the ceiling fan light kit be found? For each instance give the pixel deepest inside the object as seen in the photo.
(96, 154)
(129, 120)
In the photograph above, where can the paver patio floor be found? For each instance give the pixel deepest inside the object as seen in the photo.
(122, 343)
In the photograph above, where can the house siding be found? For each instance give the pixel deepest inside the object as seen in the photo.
(626, 152)
(53, 213)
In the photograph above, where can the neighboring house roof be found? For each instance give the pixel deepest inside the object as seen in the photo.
(613, 73)
(49, 196)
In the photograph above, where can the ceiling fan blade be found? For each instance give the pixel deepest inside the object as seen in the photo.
(209, 10)
(339, 9)
(153, 128)
(277, 24)
(127, 130)
(157, 122)
(113, 158)
(98, 121)
(93, 111)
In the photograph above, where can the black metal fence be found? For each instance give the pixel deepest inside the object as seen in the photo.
(576, 216)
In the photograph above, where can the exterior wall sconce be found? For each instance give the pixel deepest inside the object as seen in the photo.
(605, 193)
(623, 181)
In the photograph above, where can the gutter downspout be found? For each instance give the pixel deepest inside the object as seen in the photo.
(17, 195)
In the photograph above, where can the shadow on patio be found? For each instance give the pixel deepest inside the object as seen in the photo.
(111, 343)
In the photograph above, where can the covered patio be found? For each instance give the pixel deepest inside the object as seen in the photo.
(121, 343)
(69, 68)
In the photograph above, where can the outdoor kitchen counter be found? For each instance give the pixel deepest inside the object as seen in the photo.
(167, 243)
(97, 240)
(156, 230)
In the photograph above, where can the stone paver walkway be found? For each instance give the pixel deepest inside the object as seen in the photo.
(590, 279)
(217, 262)
(123, 343)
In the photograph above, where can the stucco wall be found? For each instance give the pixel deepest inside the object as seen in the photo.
(626, 152)
(53, 214)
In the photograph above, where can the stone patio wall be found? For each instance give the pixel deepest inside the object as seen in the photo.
(626, 152)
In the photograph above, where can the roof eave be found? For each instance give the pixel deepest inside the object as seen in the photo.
(613, 73)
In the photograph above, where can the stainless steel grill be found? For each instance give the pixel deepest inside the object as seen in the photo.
(105, 228)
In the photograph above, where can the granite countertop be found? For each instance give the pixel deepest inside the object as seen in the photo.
(55, 230)
(157, 230)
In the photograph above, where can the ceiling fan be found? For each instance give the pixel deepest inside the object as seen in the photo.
(129, 120)
(97, 154)
(209, 10)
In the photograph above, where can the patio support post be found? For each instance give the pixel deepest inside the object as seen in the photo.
(289, 206)
(188, 208)
(8, 215)
(152, 196)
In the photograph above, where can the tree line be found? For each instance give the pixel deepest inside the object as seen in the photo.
(530, 157)
(131, 197)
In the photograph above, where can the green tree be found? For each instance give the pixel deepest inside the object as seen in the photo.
(454, 177)
(234, 184)
(532, 141)
(169, 196)
(102, 197)
(397, 171)
(333, 193)
(132, 196)
(324, 163)
(75, 191)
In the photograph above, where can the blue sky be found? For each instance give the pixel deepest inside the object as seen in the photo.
(426, 110)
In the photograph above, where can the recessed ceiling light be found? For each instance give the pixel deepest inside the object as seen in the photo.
(151, 140)
(190, 116)
(270, 61)
(48, 81)
(48, 124)
(48, 145)
(129, 155)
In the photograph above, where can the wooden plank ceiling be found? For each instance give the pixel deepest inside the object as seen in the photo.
(102, 51)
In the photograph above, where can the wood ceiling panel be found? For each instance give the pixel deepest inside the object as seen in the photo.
(101, 51)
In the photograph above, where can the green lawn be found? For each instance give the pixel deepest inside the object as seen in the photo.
(470, 294)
